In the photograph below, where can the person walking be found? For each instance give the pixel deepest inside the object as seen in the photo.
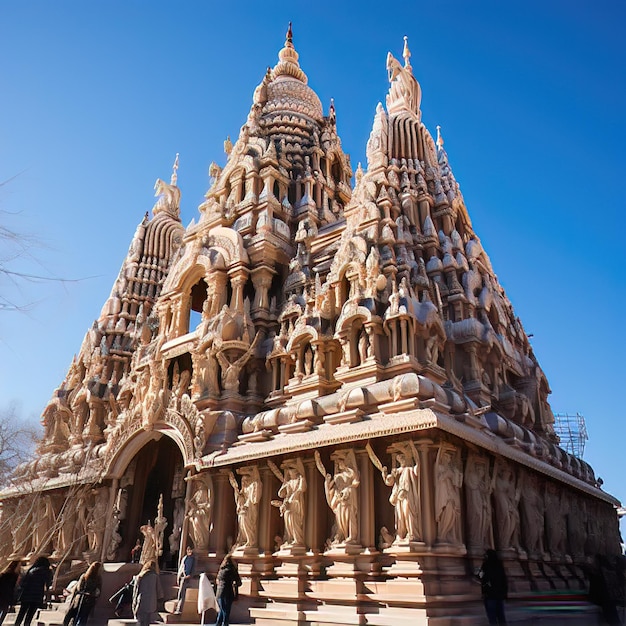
(494, 587)
(85, 595)
(8, 580)
(146, 593)
(185, 573)
(34, 585)
(228, 583)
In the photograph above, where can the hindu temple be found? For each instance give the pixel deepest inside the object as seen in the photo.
(322, 376)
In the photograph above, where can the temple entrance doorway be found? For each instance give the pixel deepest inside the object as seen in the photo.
(156, 470)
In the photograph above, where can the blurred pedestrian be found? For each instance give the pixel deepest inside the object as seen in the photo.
(33, 587)
(8, 580)
(146, 593)
(494, 587)
(228, 583)
(84, 596)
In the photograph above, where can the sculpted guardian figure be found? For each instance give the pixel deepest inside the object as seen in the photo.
(292, 493)
(449, 480)
(199, 515)
(478, 490)
(405, 490)
(342, 495)
(507, 496)
(247, 499)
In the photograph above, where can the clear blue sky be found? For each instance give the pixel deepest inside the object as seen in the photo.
(97, 97)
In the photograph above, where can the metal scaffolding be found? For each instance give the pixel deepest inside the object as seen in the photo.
(572, 432)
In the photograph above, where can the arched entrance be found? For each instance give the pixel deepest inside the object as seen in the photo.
(157, 469)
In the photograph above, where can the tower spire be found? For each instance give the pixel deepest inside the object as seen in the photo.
(439, 138)
(406, 53)
(174, 178)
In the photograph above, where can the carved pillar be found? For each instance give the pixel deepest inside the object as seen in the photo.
(262, 281)
(225, 521)
(108, 529)
(238, 279)
(184, 531)
(366, 501)
(427, 488)
(265, 538)
(316, 508)
(219, 280)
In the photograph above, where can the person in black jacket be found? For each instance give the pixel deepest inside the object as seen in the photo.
(228, 583)
(8, 580)
(33, 586)
(494, 587)
(85, 595)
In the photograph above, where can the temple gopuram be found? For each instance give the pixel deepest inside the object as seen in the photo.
(321, 376)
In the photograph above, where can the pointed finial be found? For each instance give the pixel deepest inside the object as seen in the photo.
(289, 35)
(228, 146)
(439, 138)
(358, 175)
(174, 178)
(406, 53)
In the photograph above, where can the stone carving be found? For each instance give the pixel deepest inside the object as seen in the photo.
(149, 548)
(341, 490)
(478, 489)
(247, 498)
(404, 91)
(177, 525)
(506, 496)
(291, 506)
(199, 513)
(532, 514)
(449, 479)
(97, 521)
(231, 370)
(405, 489)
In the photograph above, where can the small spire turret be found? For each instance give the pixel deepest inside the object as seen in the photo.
(406, 54)
(439, 138)
(174, 178)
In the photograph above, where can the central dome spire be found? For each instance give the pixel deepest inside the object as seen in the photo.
(288, 60)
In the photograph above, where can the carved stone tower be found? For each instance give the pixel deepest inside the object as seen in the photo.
(327, 382)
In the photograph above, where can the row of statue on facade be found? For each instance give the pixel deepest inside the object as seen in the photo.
(484, 504)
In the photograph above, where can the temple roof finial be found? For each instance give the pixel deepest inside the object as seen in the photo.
(174, 178)
(406, 53)
(228, 146)
(439, 138)
(288, 60)
(289, 36)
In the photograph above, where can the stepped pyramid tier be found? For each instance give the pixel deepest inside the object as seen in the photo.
(326, 381)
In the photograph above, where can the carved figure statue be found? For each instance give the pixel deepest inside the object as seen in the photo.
(247, 499)
(449, 480)
(232, 370)
(177, 525)
(116, 538)
(507, 495)
(342, 495)
(97, 521)
(67, 523)
(43, 520)
(169, 198)
(149, 548)
(532, 513)
(199, 515)
(404, 92)
(478, 489)
(292, 505)
(405, 490)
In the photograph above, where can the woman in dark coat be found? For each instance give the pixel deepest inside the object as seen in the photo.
(34, 585)
(228, 583)
(146, 593)
(8, 580)
(85, 595)
(494, 587)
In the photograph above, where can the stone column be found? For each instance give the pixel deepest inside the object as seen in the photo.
(367, 529)
(427, 488)
(108, 529)
(262, 281)
(238, 279)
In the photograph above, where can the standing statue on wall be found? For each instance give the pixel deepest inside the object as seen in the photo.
(507, 496)
(97, 521)
(199, 513)
(292, 504)
(532, 512)
(160, 524)
(149, 548)
(478, 490)
(405, 489)
(247, 499)
(342, 495)
(449, 479)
